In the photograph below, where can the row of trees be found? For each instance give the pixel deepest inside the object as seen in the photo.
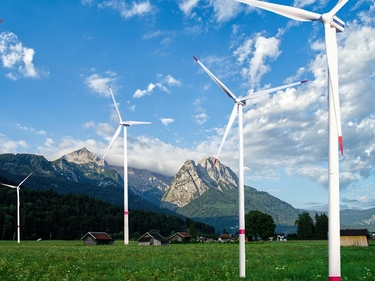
(262, 225)
(47, 214)
(258, 224)
(307, 229)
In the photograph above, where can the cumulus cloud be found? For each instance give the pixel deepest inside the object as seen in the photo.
(11, 146)
(169, 80)
(87, 2)
(224, 10)
(255, 55)
(186, 6)
(128, 10)
(288, 130)
(200, 118)
(31, 129)
(166, 121)
(100, 84)
(16, 57)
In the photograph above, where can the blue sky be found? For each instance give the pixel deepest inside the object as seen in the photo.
(58, 58)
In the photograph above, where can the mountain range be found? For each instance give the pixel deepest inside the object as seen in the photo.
(204, 191)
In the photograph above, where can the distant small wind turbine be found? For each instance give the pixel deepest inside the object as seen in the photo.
(237, 109)
(18, 205)
(123, 124)
(332, 25)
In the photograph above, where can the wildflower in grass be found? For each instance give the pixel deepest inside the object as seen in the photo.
(280, 267)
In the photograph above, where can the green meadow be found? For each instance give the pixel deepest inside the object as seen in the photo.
(71, 260)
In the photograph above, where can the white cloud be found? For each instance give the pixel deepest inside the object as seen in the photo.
(256, 52)
(169, 80)
(224, 10)
(242, 52)
(87, 2)
(10, 146)
(294, 122)
(265, 49)
(16, 57)
(166, 121)
(128, 10)
(99, 84)
(200, 118)
(186, 6)
(31, 129)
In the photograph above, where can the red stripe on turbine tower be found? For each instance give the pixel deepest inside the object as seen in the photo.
(242, 231)
(126, 213)
(341, 145)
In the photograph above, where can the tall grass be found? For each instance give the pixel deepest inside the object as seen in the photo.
(71, 260)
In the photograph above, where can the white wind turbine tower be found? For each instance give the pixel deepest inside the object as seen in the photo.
(18, 205)
(123, 124)
(332, 25)
(237, 109)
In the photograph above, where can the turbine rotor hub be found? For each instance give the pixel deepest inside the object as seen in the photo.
(326, 18)
(239, 101)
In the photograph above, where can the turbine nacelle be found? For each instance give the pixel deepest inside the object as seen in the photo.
(239, 101)
(338, 24)
(125, 123)
(333, 21)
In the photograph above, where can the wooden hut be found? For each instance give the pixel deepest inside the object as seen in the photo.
(224, 238)
(180, 237)
(152, 238)
(97, 238)
(354, 237)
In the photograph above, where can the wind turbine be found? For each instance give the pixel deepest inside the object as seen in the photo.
(123, 124)
(18, 205)
(332, 25)
(237, 109)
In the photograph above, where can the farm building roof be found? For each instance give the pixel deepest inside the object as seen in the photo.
(354, 232)
(148, 235)
(184, 234)
(98, 236)
(226, 236)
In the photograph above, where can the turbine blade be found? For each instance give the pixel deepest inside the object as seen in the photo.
(230, 123)
(8, 185)
(131, 123)
(113, 140)
(286, 11)
(25, 179)
(338, 6)
(113, 98)
(267, 91)
(221, 85)
(333, 80)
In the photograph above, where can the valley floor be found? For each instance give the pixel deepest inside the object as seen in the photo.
(71, 260)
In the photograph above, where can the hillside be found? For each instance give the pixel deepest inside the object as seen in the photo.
(48, 214)
(85, 174)
(221, 208)
(204, 191)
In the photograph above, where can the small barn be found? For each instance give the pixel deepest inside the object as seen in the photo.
(152, 238)
(354, 237)
(97, 238)
(180, 237)
(224, 238)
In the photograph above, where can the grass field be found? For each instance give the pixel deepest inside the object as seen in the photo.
(71, 260)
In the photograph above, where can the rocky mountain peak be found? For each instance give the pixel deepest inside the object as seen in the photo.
(83, 156)
(192, 180)
(217, 174)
